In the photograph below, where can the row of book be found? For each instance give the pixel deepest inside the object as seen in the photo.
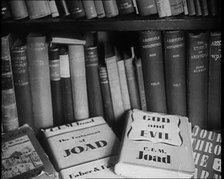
(89, 9)
(176, 72)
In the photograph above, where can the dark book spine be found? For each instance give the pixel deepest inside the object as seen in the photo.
(89, 8)
(5, 10)
(191, 7)
(76, 8)
(213, 7)
(197, 5)
(197, 87)
(125, 6)
(214, 86)
(18, 9)
(22, 85)
(153, 70)
(93, 82)
(99, 8)
(66, 89)
(62, 8)
(110, 7)
(174, 44)
(55, 77)
(146, 7)
(204, 7)
(107, 101)
(8, 106)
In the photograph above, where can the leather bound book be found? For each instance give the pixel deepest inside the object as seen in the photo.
(38, 61)
(153, 70)
(62, 8)
(191, 7)
(213, 7)
(186, 11)
(214, 82)
(125, 6)
(18, 9)
(110, 7)
(53, 8)
(78, 81)
(176, 7)
(22, 83)
(146, 7)
(174, 45)
(93, 82)
(55, 77)
(99, 8)
(76, 8)
(66, 89)
(198, 7)
(8, 104)
(89, 8)
(204, 7)
(197, 69)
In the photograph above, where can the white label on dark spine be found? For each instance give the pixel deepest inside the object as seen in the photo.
(64, 66)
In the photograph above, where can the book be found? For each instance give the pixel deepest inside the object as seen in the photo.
(162, 8)
(152, 146)
(198, 7)
(213, 7)
(68, 38)
(125, 6)
(214, 82)
(18, 9)
(197, 76)
(53, 8)
(89, 8)
(186, 12)
(106, 95)
(78, 81)
(93, 82)
(5, 10)
(153, 70)
(66, 88)
(80, 142)
(23, 156)
(110, 8)
(38, 9)
(176, 7)
(76, 8)
(22, 83)
(99, 8)
(204, 7)
(62, 8)
(38, 61)
(146, 7)
(191, 7)
(55, 80)
(207, 153)
(8, 101)
(135, 6)
(174, 53)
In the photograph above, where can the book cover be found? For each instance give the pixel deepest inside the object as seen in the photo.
(66, 89)
(191, 7)
(186, 12)
(23, 156)
(163, 10)
(78, 81)
(174, 53)
(110, 7)
(207, 153)
(204, 7)
(76, 8)
(80, 142)
(8, 102)
(62, 8)
(99, 8)
(68, 38)
(155, 145)
(22, 83)
(153, 70)
(198, 7)
(197, 78)
(53, 8)
(214, 82)
(93, 82)
(18, 9)
(125, 6)
(39, 73)
(176, 7)
(55, 77)
(146, 7)
(89, 8)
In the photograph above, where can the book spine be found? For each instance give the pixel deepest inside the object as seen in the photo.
(176, 7)
(174, 44)
(89, 8)
(78, 81)
(76, 8)
(110, 7)
(214, 86)
(191, 7)
(186, 12)
(197, 5)
(107, 101)
(146, 7)
(135, 6)
(22, 85)
(132, 83)
(5, 10)
(213, 7)
(204, 7)
(153, 72)
(18, 9)
(124, 85)
(38, 9)
(99, 8)
(9, 109)
(93, 82)
(37, 56)
(66, 89)
(160, 4)
(55, 77)
(198, 78)
(62, 8)
(140, 84)
(53, 8)
(167, 7)
(125, 6)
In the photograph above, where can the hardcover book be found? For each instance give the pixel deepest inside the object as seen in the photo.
(76, 8)
(99, 8)
(62, 8)
(89, 8)
(125, 6)
(146, 7)
(110, 7)
(53, 8)
(155, 145)
(18, 9)
(23, 157)
(68, 38)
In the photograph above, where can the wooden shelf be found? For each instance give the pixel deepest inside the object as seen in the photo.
(129, 23)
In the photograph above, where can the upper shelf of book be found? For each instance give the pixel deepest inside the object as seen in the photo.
(113, 24)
